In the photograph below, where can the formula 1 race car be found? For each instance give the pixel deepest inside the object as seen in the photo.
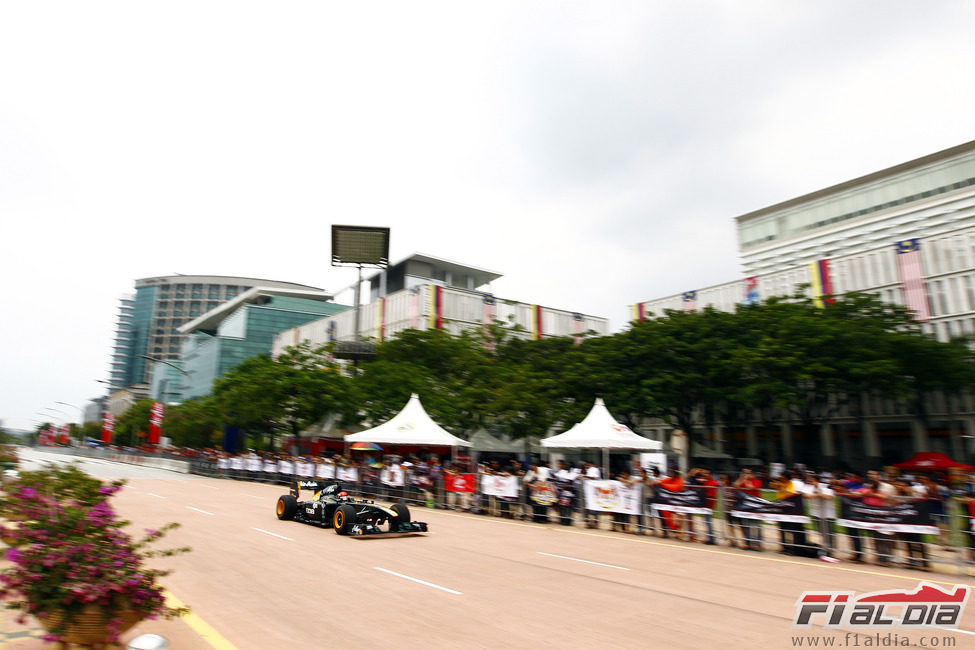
(332, 506)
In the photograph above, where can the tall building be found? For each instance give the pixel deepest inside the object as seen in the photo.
(233, 332)
(149, 320)
(905, 234)
(425, 292)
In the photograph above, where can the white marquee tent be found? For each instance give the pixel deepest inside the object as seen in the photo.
(599, 430)
(411, 426)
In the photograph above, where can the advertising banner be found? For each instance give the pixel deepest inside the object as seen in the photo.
(911, 517)
(499, 486)
(687, 501)
(612, 496)
(790, 509)
(155, 422)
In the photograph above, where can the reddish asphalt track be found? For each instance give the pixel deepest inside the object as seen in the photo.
(472, 582)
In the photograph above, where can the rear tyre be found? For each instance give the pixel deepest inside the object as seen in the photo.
(402, 516)
(343, 519)
(287, 507)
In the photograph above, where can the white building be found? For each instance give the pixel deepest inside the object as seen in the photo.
(906, 234)
(425, 292)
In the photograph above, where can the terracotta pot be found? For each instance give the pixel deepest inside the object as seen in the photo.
(90, 625)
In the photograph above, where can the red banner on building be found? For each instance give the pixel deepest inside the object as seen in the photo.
(155, 422)
(459, 482)
(108, 428)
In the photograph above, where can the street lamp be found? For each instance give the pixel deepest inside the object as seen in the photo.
(81, 418)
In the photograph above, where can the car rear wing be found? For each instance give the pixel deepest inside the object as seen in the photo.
(315, 486)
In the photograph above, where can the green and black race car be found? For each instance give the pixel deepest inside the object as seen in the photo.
(333, 507)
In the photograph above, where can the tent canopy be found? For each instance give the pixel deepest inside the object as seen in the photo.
(930, 461)
(600, 431)
(411, 426)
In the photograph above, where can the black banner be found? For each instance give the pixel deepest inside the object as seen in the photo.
(789, 509)
(910, 517)
(689, 501)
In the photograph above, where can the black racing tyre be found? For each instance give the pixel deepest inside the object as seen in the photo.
(287, 507)
(402, 515)
(343, 519)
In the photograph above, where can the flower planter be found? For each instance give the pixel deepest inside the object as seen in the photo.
(90, 625)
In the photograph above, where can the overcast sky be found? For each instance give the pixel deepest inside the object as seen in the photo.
(594, 153)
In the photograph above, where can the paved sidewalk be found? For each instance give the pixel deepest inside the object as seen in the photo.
(28, 636)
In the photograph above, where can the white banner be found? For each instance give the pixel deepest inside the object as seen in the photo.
(253, 464)
(303, 469)
(271, 466)
(348, 474)
(285, 467)
(223, 462)
(612, 496)
(499, 486)
(236, 463)
(325, 470)
(393, 477)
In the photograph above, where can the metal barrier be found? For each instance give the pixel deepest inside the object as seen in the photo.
(953, 550)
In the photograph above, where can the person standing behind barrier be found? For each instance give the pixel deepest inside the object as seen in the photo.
(749, 484)
(730, 521)
(931, 490)
(967, 500)
(674, 482)
(639, 481)
(701, 479)
(822, 509)
(917, 556)
(591, 473)
(851, 487)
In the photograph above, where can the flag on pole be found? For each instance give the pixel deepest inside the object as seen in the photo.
(414, 308)
(751, 290)
(639, 312)
(108, 428)
(381, 318)
(579, 322)
(689, 298)
(155, 422)
(536, 316)
(822, 284)
(912, 278)
(436, 307)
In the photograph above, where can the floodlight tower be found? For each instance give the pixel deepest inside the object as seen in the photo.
(359, 246)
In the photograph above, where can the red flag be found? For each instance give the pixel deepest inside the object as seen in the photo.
(155, 422)
(459, 482)
(108, 428)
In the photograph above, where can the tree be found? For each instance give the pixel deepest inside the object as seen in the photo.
(132, 423)
(266, 396)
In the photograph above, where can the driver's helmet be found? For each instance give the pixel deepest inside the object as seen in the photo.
(342, 496)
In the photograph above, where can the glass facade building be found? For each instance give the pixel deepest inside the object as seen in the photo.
(224, 338)
(148, 322)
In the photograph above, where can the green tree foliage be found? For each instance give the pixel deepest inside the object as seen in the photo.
(781, 360)
(132, 423)
(266, 396)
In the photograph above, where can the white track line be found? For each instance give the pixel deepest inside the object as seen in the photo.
(153, 494)
(198, 510)
(422, 582)
(267, 532)
(575, 559)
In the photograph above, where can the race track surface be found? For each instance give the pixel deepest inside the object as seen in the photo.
(475, 581)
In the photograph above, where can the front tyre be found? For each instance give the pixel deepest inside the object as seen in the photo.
(287, 507)
(343, 519)
(402, 516)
